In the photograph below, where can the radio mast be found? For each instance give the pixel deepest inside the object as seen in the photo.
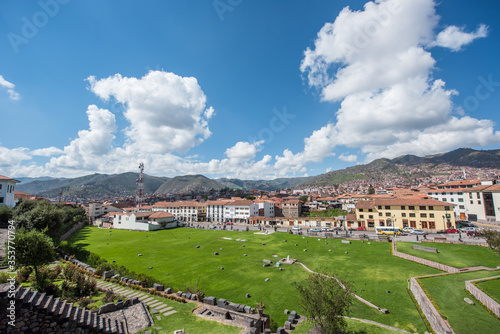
(139, 195)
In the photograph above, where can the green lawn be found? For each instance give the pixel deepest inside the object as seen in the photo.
(448, 293)
(177, 263)
(491, 288)
(455, 255)
(353, 326)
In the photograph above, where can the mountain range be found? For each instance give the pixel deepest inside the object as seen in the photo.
(125, 184)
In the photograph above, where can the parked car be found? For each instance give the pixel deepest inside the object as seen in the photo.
(407, 229)
(361, 228)
(325, 229)
(297, 228)
(315, 229)
(229, 223)
(451, 230)
(468, 229)
(418, 232)
(472, 233)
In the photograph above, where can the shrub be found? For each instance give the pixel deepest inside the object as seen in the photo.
(102, 267)
(24, 273)
(85, 301)
(51, 289)
(109, 297)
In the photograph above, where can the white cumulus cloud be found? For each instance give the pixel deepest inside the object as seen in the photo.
(374, 61)
(166, 112)
(454, 37)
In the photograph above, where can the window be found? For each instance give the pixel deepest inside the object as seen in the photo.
(403, 207)
(431, 208)
(432, 225)
(412, 215)
(380, 207)
(382, 223)
(477, 195)
(423, 215)
(424, 224)
(446, 208)
(422, 207)
(460, 199)
(387, 214)
(462, 207)
(479, 202)
(361, 216)
(452, 200)
(403, 214)
(411, 207)
(1, 186)
(471, 202)
(1, 199)
(380, 214)
(360, 210)
(431, 215)
(370, 217)
(370, 210)
(413, 223)
(387, 207)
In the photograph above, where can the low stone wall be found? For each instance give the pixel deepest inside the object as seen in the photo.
(438, 324)
(72, 230)
(489, 302)
(425, 262)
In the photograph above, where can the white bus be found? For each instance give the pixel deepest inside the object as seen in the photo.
(388, 230)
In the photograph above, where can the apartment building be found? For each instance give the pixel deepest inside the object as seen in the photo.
(215, 210)
(7, 190)
(291, 208)
(96, 209)
(187, 211)
(143, 221)
(454, 196)
(483, 203)
(262, 209)
(427, 214)
(237, 211)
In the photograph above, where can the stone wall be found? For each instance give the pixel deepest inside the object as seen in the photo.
(489, 302)
(422, 261)
(72, 230)
(438, 324)
(26, 311)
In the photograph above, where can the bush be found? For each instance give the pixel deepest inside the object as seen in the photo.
(109, 297)
(102, 267)
(51, 289)
(24, 273)
(85, 301)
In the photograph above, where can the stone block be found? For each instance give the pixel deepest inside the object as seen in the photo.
(266, 265)
(159, 287)
(247, 309)
(266, 280)
(241, 308)
(216, 253)
(468, 301)
(109, 307)
(119, 304)
(114, 276)
(346, 242)
(221, 302)
(188, 295)
(294, 314)
(384, 311)
(287, 311)
(280, 330)
(210, 300)
(288, 325)
(291, 318)
(108, 274)
(168, 290)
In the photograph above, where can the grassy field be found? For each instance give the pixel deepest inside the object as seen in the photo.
(369, 267)
(491, 288)
(448, 293)
(353, 326)
(454, 255)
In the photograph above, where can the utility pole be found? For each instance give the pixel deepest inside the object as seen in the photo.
(139, 196)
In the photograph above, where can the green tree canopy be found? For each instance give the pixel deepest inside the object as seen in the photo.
(325, 299)
(492, 238)
(33, 248)
(304, 198)
(5, 213)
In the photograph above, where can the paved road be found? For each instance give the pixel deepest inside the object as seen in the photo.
(338, 234)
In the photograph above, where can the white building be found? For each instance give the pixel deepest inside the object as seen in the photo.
(96, 209)
(483, 203)
(262, 209)
(144, 221)
(187, 211)
(454, 196)
(215, 210)
(7, 189)
(237, 211)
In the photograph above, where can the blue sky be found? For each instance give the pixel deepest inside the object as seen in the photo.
(238, 88)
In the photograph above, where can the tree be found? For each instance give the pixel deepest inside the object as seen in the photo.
(371, 190)
(5, 214)
(33, 248)
(492, 238)
(324, 300)
(304, 198)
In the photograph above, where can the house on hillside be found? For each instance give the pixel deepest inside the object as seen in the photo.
(7, 191)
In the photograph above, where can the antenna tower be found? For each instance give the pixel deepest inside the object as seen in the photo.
(139, 196)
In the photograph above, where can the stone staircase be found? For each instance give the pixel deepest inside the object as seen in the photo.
(61, 309)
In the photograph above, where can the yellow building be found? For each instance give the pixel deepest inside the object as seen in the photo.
(419, 213)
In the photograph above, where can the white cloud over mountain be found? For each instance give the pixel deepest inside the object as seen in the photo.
(376, 62)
